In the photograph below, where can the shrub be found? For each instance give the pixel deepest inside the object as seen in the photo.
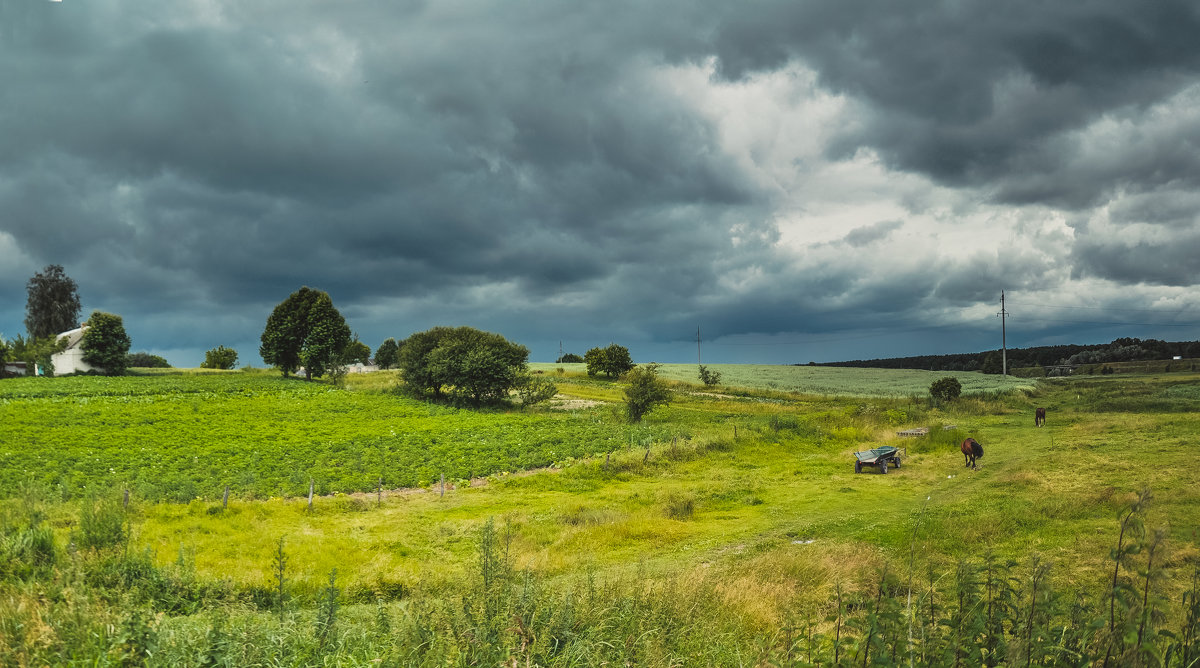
(569, 358)
(533, 390)
(709, 378)
(945, 389)
(646, 390)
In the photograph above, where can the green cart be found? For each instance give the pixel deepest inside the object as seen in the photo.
(879, 457)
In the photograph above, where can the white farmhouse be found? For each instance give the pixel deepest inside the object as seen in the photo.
(70, 360)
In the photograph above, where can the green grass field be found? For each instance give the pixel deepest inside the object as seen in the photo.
(740, 502)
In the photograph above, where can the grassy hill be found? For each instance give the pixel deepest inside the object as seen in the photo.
(729, 528)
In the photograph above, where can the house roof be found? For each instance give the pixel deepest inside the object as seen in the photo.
(73, 337)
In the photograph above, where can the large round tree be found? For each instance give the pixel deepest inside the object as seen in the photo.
(304, 330)
(53, 304)
(468, 364)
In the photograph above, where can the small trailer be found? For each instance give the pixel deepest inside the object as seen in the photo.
(879, 457)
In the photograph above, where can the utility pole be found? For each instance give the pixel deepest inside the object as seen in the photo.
(560, 353)
(1003, 338)
(697, 344)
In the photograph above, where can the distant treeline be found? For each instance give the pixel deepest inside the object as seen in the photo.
(989, 361)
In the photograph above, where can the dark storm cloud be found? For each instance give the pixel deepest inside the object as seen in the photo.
(969, 92)
(533, 167)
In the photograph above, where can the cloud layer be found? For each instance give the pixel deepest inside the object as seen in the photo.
(813, 180)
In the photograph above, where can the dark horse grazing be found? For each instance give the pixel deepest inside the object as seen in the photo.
(1039, 417)
(972, 450)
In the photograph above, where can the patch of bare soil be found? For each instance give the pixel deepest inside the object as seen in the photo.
(573, 404)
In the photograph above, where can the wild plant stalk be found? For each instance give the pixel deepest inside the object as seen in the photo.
(1146, 608)
(1037, 575)
(327, 612)
(279, 568)
(1132, 530)
(912, 555)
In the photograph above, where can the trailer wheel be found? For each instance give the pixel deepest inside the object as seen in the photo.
(896, 461)
(858, 467)
(883, 466)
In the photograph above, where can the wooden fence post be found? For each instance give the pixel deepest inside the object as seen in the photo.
(443, 484)
(225, 498)
(379, 493)
(310, 493)
(126, 502)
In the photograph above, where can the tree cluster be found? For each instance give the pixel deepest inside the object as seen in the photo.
(990, 361)
(462, 364)
(144, 360)
(611, 361)
(569, 358)
(305, 331)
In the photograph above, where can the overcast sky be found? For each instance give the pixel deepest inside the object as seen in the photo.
(800, 180)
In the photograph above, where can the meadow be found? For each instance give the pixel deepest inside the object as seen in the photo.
(729, 529)
(823, 380)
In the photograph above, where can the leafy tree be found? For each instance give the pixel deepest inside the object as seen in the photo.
(385, 356)
(945, 389)
(611, 361)
(105, 343)
(53, 305)
(356, 351)
(38, 352)
(708, 377)
(992, 363)
(646, 390)
(220, 358)
(304, 330)
(146, 360)
(4, 350)
(462, 362)
(569, 358)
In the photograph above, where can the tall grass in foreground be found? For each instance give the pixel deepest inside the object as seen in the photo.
(108, 605)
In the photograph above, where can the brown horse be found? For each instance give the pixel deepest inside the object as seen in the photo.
(1039, 417)
(972, 450)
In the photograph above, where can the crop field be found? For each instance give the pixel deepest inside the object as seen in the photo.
(833, 381)
(180, 437)
(727, 529)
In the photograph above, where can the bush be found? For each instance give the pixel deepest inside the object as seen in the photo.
(945, 389)
(220, 358)
(646, 390)
(532, 390)
(709, 378)
(569, 358)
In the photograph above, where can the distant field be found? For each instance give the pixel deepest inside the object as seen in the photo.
(834, 381)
